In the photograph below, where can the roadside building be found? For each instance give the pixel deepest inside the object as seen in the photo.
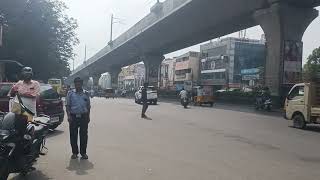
(187, 70)
(167, 74)
(131, 77)
(232, 63)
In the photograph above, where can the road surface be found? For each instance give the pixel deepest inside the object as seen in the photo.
(200, 143)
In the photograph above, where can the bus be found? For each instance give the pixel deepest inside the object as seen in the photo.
(56, 84)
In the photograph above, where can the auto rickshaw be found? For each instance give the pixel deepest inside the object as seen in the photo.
(109, 93)
(203, 95)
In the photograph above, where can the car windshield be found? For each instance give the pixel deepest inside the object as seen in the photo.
(4, 89)
(47, 92)
(54, 81)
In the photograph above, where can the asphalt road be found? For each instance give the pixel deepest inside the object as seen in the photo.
(201, 143)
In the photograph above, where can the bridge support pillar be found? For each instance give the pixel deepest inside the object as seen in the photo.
(284, 26)
(96, 78)
(152, 65)
(114, 77)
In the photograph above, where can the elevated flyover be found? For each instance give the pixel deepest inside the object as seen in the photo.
(176, 24)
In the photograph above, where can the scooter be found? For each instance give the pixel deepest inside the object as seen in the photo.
(185, 102)
(263, 103)
(21, 142)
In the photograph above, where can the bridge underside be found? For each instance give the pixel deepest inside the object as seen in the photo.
(194, 22)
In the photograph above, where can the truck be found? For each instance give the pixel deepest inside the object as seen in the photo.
(105, 81)
(302, 104)
(105, 85)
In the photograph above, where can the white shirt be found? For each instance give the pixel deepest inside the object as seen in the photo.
(183, 94)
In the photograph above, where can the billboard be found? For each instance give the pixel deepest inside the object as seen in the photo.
(182, 65)
(292, 62)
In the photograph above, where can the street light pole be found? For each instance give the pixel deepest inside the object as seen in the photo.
(113, 21)
(111, 29)
(1, 34)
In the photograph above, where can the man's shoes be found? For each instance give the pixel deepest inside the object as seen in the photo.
(74, 156)
(84, 156)
(145, 117)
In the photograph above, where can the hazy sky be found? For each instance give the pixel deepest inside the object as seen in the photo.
(94, 25)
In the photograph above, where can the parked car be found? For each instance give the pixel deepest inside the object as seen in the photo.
(48, 103)
(152, 95)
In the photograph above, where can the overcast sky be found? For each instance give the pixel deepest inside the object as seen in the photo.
(94, 25)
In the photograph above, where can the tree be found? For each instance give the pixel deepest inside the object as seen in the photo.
(38, 34)
(312, 67)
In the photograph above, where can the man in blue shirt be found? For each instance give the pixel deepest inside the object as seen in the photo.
(78, 111)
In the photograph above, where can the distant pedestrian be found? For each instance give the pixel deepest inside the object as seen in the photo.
(144, 99)
(78, 111)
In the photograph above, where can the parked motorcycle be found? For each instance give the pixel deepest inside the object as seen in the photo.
(21, 142)
(263, 103)
(185, 102)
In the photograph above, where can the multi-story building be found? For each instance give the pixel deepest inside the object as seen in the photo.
(232, 63)
(187, 70)
(167, 74)
(131, 77)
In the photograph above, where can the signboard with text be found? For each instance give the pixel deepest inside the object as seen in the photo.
(292, 62)
(182, 65)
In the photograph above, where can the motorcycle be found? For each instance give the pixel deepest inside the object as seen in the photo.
(21, 142)
(263, 103)
(185, 102)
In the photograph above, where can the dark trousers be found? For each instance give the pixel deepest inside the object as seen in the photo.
(76, 124)
(144, 107)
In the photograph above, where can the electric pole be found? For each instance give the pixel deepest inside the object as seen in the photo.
(111, 29)
(113, 21)
(85, 53)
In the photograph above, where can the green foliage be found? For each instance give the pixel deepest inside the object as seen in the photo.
(38, 34)
(312, 67)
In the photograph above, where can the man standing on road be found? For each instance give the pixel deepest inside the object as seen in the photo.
(78, 111)
(144, 99)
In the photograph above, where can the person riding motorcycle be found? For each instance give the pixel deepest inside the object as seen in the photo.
(183, 96)
(28, 90)
(263, 94)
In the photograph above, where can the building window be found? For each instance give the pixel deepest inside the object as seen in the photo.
(184, 71)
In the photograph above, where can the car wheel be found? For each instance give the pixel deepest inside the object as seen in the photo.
(298, 121)
(155, 102)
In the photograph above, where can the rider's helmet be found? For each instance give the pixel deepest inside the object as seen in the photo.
(27, 73)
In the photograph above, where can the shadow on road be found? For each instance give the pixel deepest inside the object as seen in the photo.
(54, 133)
(312, 128)
(231, 107)
(80, 166)
(35, 175)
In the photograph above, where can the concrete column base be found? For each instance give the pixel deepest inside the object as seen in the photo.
(152, 65)
(114, 77)
(283, 25)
